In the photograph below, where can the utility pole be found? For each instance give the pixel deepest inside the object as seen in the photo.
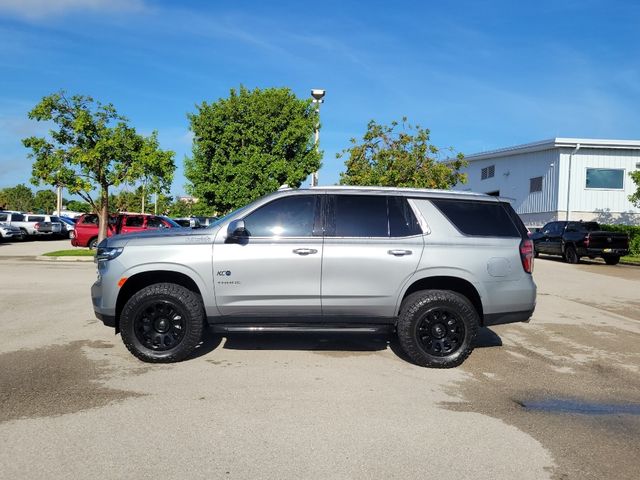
(318, 96)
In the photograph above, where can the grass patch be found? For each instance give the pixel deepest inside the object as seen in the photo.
(71, 253)
(631, 259)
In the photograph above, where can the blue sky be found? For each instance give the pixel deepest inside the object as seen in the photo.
(479, 74)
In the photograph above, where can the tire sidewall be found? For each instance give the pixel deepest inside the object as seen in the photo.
(141, 300)
(413, 314)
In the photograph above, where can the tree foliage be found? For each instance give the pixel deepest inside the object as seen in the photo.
(77, 206)
(45, 201)
(91, 148)
(635, 197)
(248, 145)
(18, 198)
(399, 155)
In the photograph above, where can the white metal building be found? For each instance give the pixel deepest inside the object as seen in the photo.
(560, 178)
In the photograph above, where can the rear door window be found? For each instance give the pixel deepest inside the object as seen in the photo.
(402, 220)
(360, 216)
(478, 218)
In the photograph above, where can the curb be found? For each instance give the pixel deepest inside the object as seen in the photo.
(64, 259)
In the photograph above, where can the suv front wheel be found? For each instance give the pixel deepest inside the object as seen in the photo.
(436, 328)
(162, 323)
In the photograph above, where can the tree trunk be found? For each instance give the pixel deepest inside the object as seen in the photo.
(104, 214)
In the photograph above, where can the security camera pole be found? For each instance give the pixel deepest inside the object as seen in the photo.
(318, 96)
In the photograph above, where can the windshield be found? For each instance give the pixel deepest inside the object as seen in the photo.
(171, 222)
(223, 218)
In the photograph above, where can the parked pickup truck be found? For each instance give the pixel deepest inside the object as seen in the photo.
(86, 231)
(573, 240)
(31, 224)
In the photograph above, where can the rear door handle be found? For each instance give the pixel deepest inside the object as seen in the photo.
(399, 253)
(305, 251)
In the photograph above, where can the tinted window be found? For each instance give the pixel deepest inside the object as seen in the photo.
(90, 220)
(402, 220)
(133, 221)
(487, 219)
(154, 222)
(36, 218)
(286, 217)
(605, 178)
(361, 216)
(54, 219)
(554, 228)
(3, 217)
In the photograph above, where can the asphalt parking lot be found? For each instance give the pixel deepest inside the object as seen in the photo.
(556, 398)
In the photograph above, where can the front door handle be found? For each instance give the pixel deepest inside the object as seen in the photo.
(399, 253)
(305, 251)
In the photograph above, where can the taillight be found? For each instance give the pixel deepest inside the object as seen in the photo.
(587, 240)
(37, 226)
(526, 255)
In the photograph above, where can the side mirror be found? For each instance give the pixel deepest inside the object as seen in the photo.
(236, 230)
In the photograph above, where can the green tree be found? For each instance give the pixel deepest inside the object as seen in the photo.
(399, 155)
(45, 201)
(77, 206)
(635, 198)
(248, 145)
(93, 148)
(18, 198)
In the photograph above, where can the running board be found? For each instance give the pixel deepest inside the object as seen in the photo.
(238, 328)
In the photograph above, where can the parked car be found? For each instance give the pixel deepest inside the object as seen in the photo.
(86, 230)
(188, 222)
(9, 232)
(29, 224)
(431, 265)
(573, 240)
(206, 221)
(68, 227)
(42, 224)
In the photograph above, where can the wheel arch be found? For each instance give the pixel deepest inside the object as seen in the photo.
(446, 282)
(141, 280)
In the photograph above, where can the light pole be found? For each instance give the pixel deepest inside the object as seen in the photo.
(58, 194)
(318, 96)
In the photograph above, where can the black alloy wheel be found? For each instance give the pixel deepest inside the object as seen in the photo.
(160, 325)
(436, 328)
(441, 332)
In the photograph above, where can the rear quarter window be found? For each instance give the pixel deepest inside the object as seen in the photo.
(483, 219)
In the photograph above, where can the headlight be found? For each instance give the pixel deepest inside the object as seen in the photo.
(105, 254)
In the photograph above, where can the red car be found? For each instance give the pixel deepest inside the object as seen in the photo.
(86, 231)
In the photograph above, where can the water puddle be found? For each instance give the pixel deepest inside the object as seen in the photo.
(560, 405)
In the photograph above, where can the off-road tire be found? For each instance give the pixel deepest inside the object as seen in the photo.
(611, 259)
(416, 307)
(570, 255)
(187, 303)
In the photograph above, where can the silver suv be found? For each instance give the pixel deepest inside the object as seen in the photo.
(431, 265)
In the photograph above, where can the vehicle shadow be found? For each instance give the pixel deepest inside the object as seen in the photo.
(559, 259)
(337, 342)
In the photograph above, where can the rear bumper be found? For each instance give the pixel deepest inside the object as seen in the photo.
(598, 252)
(507, 317)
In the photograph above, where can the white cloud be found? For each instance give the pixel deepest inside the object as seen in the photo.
(39, 9)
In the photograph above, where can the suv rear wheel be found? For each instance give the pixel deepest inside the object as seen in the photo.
(162, 323)
(436, 328)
